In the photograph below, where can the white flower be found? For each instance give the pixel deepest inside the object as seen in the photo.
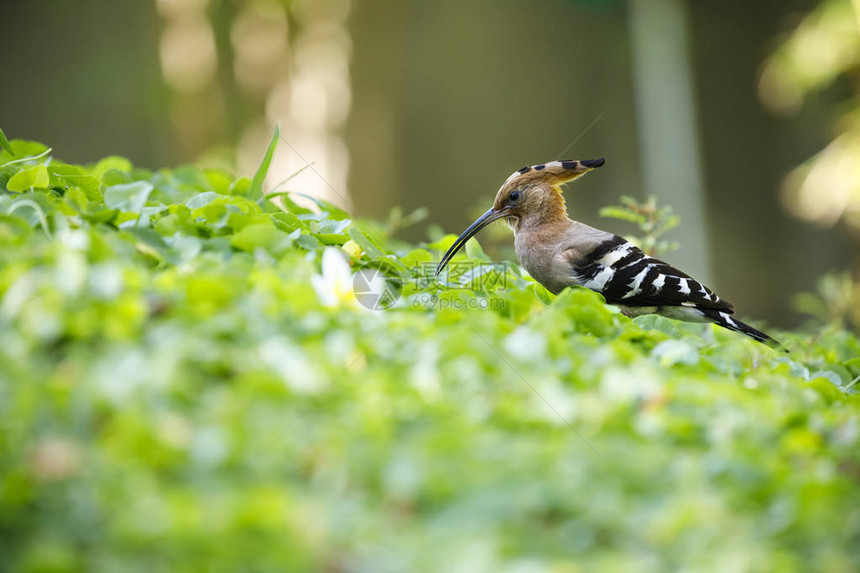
(334, 285)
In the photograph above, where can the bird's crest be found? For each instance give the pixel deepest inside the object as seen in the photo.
(555, 172)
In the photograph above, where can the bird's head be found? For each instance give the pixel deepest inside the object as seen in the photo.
(530, 194)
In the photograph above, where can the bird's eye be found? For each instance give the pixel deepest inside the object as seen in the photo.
(515, 196)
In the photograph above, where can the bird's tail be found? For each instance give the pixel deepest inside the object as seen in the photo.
(726, 320)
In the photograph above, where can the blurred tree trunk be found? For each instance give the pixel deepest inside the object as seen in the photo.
(668, 134)
(222, 14)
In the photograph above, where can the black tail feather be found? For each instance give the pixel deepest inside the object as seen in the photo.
(726, 320)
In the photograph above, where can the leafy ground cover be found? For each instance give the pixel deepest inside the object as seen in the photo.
(187, 383)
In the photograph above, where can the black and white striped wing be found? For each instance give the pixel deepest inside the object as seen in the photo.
(625, 275)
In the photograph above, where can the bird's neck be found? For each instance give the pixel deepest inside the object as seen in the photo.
(548, 218)
(537, 236)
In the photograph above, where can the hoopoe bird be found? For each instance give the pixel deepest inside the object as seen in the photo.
(559, 252)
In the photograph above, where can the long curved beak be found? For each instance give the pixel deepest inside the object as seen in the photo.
(472, 230)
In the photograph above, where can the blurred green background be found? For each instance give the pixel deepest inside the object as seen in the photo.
(741, 115)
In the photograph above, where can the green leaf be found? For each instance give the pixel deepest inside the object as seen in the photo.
(26, 150)
(366, 244)
(331, 239)
(620, 213)
(115, 177)
(150, 243)
(288, 204)
(308, 242)
(130, 197)
(259, 235)
(92, 211)
(108, 163)
(63, 175)
(219, 180)
(255, 191)
(29, 178)
(331, 210)
(474, 250)
(239, 187)
(4, 144)
(444, 243)
(286, 221)
(334, 227)
(33, 212)
(201, 199)
(418, 258)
